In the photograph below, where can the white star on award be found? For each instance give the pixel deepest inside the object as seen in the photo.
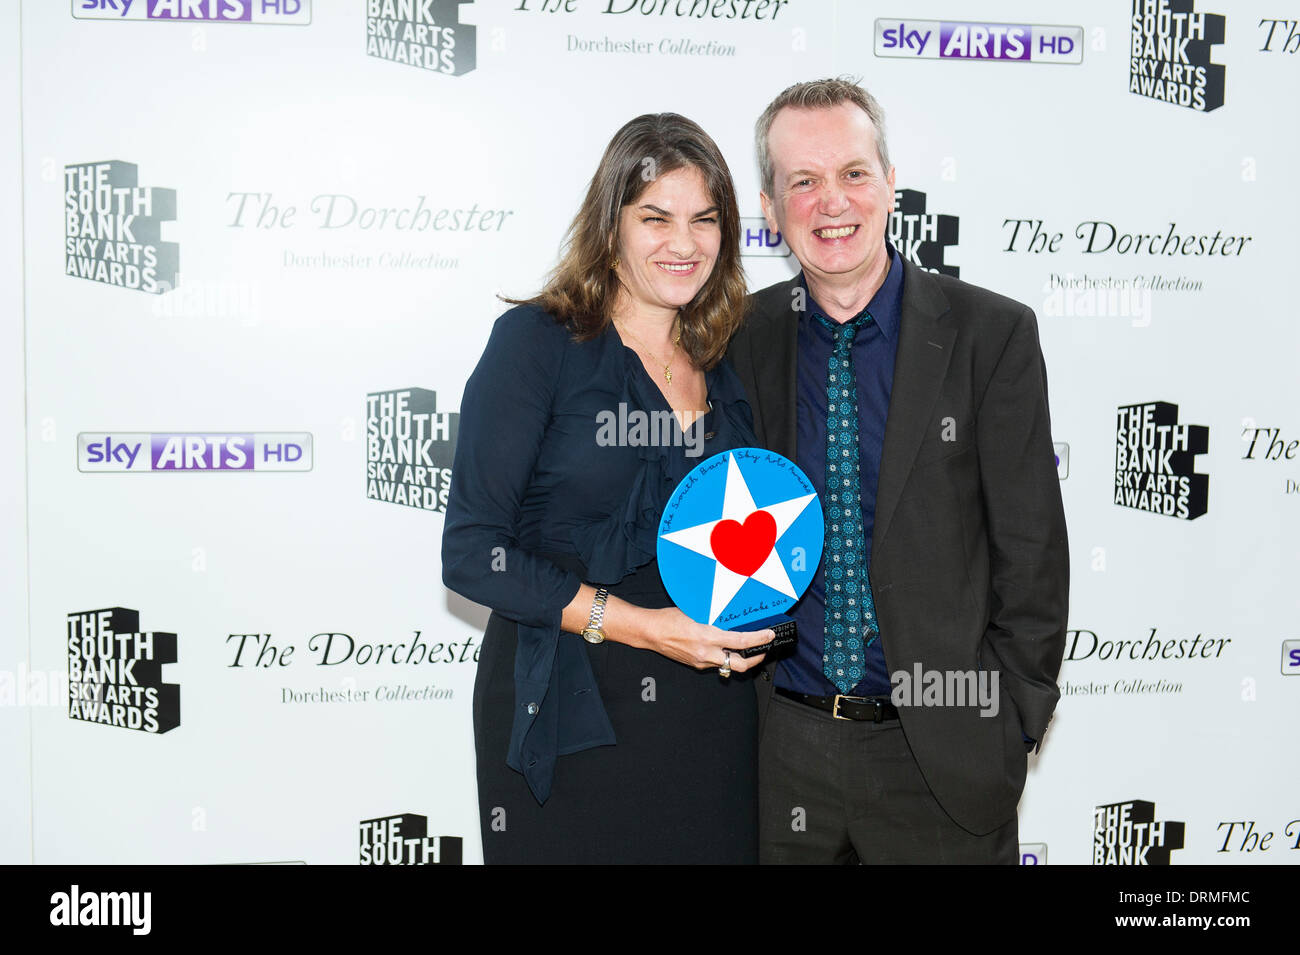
(738, 504)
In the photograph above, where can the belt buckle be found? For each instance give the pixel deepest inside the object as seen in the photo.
(835, 706)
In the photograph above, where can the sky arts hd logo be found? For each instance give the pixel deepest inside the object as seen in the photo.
(1155, 461)
(962, 40)
(282, 12)
(756, 239)
(405, 840)
(1170, 55)
(113, 228)
(115, 672)
(426, 34)
(1291, 657)
(1033, 853)
(1127, 833)
(142, 451)
(922, 237)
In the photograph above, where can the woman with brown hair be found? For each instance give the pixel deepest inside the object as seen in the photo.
(590, 403)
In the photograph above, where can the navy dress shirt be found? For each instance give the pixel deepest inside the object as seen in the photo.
(873, 351)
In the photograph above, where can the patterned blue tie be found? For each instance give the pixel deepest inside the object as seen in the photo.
(850, 609)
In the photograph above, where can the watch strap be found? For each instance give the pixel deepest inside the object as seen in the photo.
(595, 623)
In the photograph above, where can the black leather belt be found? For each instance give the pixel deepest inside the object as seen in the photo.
(843, 707)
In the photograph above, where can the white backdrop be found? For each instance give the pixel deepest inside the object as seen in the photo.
(293, 297)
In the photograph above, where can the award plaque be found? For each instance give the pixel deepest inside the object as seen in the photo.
(739, 542)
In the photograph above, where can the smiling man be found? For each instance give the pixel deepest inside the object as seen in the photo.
(918, 406)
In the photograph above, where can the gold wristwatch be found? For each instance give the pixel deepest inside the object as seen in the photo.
(592, 632)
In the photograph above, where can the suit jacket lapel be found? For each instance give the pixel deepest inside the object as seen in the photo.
(924, 350)
(776, 361)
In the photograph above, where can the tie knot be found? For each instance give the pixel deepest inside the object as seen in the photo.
(844, 332)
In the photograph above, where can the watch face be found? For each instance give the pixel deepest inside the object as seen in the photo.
(592, 635)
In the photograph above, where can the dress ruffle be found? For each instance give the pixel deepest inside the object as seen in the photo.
(627, 540)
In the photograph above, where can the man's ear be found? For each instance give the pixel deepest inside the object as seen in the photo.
(769, 212)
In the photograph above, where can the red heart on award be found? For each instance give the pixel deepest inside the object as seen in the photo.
(742, 548)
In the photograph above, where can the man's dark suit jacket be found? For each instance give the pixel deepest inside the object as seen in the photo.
(969, 563)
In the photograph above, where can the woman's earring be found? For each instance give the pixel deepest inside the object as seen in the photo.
(614, 265)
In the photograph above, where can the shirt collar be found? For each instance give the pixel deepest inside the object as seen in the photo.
(886, 306)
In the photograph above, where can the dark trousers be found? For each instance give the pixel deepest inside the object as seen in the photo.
(846, 792)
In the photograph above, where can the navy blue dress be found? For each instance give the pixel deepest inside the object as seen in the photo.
(588, 753)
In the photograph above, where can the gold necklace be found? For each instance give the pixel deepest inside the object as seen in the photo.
(668, 374)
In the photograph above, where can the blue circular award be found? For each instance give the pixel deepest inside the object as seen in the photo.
(740, 540)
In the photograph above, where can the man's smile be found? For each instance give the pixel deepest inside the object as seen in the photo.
(835, 232)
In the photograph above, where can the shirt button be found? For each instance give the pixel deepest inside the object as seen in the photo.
(532, 709)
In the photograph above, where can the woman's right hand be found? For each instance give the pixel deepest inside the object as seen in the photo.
(678, 637)
(669, 632)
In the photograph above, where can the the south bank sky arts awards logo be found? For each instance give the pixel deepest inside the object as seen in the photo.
(404, 840)
(115, 672)
(740, 538)
(1170, 55)
(1128, 833)
(113, 228)
(278, 12)
(969, 40)
(425, 34)
(410, 445)
(1155, 461)
(921, 237)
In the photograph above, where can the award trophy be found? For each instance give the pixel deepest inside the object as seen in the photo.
(739, 542)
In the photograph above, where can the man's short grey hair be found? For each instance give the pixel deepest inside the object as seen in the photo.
(818, 94)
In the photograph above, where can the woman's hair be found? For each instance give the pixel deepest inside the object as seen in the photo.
(583, 288)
